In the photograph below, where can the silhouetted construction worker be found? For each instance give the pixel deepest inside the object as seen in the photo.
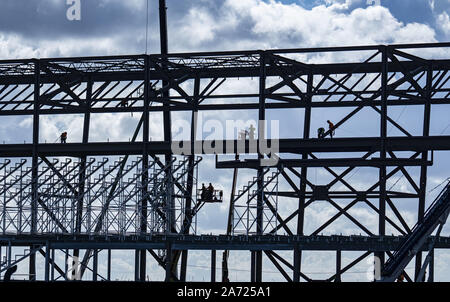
(401, 278)
(210, 192)
(203, 192)
(63, 137)
(124, 103)
(153, 92)
(331, 128)
(321, 132)
(251, 132)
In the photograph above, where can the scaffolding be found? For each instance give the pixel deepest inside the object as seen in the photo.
(111, 196)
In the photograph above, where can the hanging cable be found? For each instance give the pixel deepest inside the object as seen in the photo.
(397, 119)
(146, 30)
(390, 129)
(445, 129)
(448, 179)
(396, 182)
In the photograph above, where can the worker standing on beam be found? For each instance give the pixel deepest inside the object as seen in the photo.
(331, 128)
(63, 137)
(321, 132)
(124, 103)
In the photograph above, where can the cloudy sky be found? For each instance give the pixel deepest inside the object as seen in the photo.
(40, 28)
(118, 27)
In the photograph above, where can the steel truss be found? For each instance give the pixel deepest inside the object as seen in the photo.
(49, 202)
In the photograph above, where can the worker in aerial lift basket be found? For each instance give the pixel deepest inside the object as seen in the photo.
(63, 137)
(203, 192)
(210, 191)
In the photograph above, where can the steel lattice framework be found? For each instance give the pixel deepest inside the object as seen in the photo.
(77, 196)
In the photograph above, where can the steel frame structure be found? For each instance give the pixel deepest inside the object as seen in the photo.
(52, 199)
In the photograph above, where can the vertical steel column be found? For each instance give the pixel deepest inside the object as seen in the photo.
(431, 267)
(213, 265)
(146, 139)
(168, 262)
(190, 176)
(66, 262)
(166, 112)
(252, 266)
(109, 265)
(136, 265)
(304, 175)
(3, 223)
(423, 169)
(82, 176)
(95, 266)
(383, 135)
(297, 264)
(47, 262)
(9, 253)
(338, 266)
(226, 253)
(53, 265)
(35, 168)
(260, 184)
(163, 27)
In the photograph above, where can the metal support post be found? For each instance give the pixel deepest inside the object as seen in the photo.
(213, 265)
(424, 169)
(253, 266)
(109, 265)
(47, 262)
(35, 167)
(338, 266)
(261, 136)
(95, 266)
(145, 158)
(383, 137)
(304, 176)
(168, 262)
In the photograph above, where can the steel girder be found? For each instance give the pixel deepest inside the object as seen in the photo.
(295, 146)
(376, 77)
(218, 242)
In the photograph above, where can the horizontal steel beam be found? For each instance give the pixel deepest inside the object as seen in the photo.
(204, 72)
(359, 195)
(217, 242)
(326, 162)
(235, 52)
(336, 145)
(225, 106)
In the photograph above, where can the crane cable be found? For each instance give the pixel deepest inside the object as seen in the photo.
(146, 30)
(448, 179)
(445, 129)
